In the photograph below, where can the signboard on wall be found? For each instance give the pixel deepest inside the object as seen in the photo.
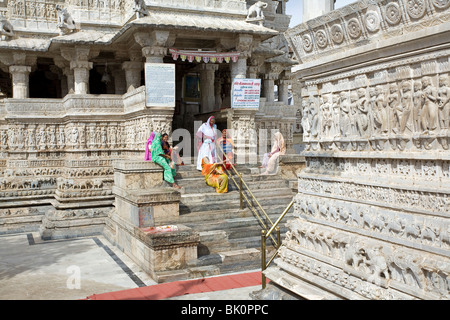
(160, 85)
(246, 93)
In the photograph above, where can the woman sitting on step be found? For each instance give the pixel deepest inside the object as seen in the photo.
(227, 146)
(270, 160)
(159, 157)
(172, 152)
(215, 176)
(148, 147)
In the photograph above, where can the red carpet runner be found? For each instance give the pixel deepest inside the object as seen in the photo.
(179, 288)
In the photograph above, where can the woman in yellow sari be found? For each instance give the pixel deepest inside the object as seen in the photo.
(215, 176)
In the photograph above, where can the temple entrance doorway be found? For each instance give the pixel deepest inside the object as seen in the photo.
(190, 109)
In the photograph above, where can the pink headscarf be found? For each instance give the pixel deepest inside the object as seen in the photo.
(148, 153)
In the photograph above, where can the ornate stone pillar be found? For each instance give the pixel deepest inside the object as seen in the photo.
(207, 76)
(132, 74)
(67, 81)
(283, 90)
(20, 81)
(120, 84)
(154, 44)
(20, 67)
(273, 71)
(253, 72)
(242, 121)
(218, 92)
(70, 80)
(133, 70)
(269, 85)
(244, 46)
(80, 65)
(81, 75)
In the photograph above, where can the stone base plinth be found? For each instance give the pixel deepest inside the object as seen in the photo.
(150, 208)
(155, 253)
(140, 199)
(291, 165)
(73, 223)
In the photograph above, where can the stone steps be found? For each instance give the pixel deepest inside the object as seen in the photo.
(230, 237)
(204, 202)
(198, 184)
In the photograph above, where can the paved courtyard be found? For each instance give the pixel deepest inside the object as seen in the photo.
(32, 269)
(63, 269)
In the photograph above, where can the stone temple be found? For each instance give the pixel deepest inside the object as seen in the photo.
(371, 88)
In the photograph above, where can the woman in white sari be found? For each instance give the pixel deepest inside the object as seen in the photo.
(270, 161)
(206, 136)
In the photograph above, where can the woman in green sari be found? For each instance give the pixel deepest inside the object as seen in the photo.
(163, 160)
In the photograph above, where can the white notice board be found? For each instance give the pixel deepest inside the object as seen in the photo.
(246, 93)
(160, 85)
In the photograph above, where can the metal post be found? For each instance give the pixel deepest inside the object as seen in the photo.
(263, 257)
(240, 188)
(278, 237)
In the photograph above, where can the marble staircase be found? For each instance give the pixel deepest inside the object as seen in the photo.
(230, 237)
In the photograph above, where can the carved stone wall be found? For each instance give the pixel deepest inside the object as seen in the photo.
(59, 152)
(372, 210)
(400, 105)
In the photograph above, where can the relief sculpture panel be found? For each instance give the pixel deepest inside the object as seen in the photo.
(409, 114)
(371, 216)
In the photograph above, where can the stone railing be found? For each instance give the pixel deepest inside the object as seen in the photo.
(42, 14)
(18, 108)
(102, 11)
(234, 6)
(363, 22)
(32, 9)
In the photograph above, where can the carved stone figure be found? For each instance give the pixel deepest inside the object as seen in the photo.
(65, 21)
(355, 254)
(408, 269)
(140, 8)
(444, 101)
(306, 125)
(418, 102)
(52, 137)
(381, 112)
(406, 105)
(310, 119)
(75, 135)
(344, 117)
(3, 139)
(41, 139)
(376, 262)
(429, 115)
(327, 121)
(256, 10)
(6, 29)
(353, 112)
(335, 115)
(395, 109)
(362, 117)
(61, 137)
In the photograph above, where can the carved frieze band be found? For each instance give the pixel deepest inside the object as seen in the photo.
(401, 106)
(432, 172)
(354, 262)
(431, 234)
(132, 134)
(365, 21)
(400, 198)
